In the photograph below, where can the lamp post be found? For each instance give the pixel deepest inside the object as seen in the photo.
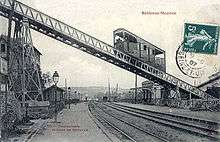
(129, 97)
(55, 80)
(69, 89)
(75, 97)
(80, 96)
(86, 97)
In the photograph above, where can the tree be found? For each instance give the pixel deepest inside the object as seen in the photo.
(47, 79)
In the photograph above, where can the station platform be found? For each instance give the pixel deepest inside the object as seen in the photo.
(74, 125)
(206, 115)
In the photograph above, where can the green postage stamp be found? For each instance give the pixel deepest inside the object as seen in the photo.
(201, 38)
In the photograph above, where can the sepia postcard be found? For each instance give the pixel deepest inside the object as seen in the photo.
(109, 70)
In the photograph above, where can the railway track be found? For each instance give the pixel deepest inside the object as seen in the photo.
(197, 126)
(202, 122)
(199, 129)
(114, 129)
(98, 112)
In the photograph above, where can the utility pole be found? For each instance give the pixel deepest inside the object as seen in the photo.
(65, 97)
(135, 94)
(109, 90)
(117, 89)
(69, 90)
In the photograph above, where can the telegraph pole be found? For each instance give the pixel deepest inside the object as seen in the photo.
(109, 89)
(135, 94)
(65, 97)
(69, 90)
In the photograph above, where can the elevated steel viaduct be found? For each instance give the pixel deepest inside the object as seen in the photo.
(45, 24)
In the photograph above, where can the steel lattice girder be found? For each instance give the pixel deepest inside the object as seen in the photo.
(76, 38)
(24, 74)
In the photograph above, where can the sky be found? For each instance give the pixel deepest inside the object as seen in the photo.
(100, 18)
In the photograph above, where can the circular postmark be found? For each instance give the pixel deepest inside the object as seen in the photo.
(190, 64)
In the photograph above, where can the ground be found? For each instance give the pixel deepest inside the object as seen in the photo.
(74, 125)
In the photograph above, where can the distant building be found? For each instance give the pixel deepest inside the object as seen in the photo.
(214, 81)
(53, 99)
(214, 91)
(55, 96)
(148, 92)
(212, 86)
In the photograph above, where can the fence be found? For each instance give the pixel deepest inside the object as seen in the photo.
(193, 104)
